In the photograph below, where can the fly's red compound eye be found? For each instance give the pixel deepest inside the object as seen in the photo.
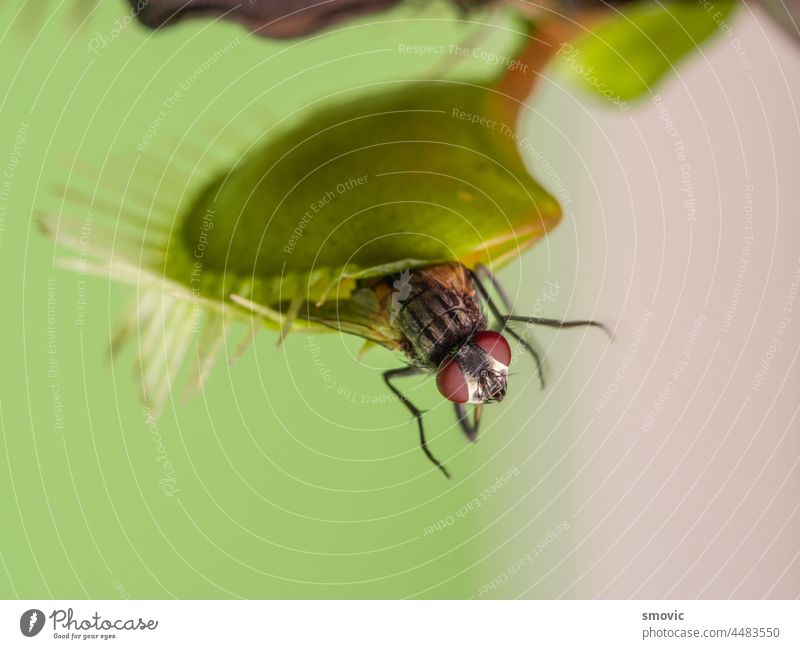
(452, 384)
(495, 345)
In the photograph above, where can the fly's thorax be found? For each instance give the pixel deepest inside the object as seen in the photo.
(436, 318)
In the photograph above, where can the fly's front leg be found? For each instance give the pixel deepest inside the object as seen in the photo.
(559, 324)
(480, 269)
(412, 371)
(504, 319)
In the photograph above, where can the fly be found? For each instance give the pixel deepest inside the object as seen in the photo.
(434, 315)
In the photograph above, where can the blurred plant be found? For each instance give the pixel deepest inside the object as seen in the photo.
(295, 18)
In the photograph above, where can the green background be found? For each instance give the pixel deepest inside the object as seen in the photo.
(286, 486)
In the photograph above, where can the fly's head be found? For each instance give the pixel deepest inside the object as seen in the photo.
(478, 371)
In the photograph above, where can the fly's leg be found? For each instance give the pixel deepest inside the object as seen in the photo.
(506, 319)
(558, 324)
(470, 428)
(412, 371)
(480, 269)
(503, 320)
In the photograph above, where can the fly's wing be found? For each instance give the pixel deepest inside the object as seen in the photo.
(366, 313)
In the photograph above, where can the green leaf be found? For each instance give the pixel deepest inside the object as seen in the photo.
(626, 55)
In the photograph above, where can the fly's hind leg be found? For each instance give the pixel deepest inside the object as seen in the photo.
(412, 371)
